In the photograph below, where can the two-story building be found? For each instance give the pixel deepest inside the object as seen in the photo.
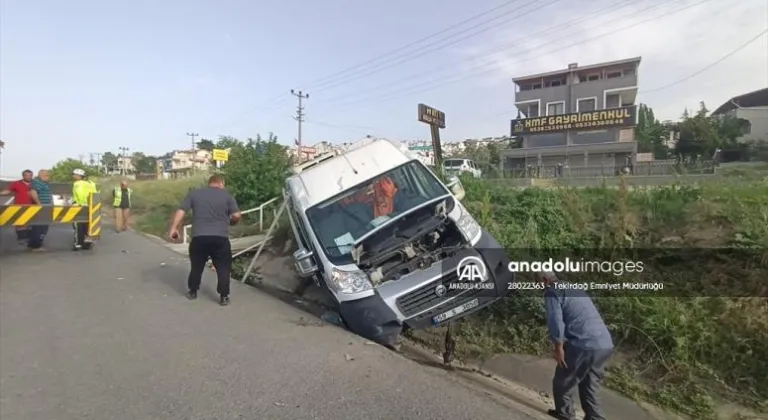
(582, 116)
(753, 107)
(184, 162)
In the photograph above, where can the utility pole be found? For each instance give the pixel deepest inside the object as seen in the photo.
(194, 155)
(299, 118)
(123, 155)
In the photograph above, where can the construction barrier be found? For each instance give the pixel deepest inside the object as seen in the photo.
(34, 214)
(94, 216)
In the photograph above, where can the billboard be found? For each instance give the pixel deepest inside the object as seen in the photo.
(431, 116)
(625, 116)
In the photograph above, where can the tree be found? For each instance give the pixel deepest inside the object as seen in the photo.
(227, 142)
(650, 133)
(698, 134)
(729, 129)
(205, 144)
(62, 171)
(109, 161)
(144, 164)
(256, 169)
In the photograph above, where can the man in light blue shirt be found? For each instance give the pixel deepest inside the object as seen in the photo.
(583, 346)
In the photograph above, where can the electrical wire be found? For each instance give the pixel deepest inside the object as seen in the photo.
(325, 79)
(449, 66)
(399, 60)
(709, 66)
(356, 128)
(331, 78)
(440, 82)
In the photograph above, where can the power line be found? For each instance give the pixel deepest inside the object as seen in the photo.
(351, 128)
(329, 78)
(439, 82)
(705, 68)
(325, 79)
(420, 53)
(421, 88)
(450, 66)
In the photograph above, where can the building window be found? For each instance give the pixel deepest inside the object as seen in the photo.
(586, 105)
(556, 108)
(593, 77)
(536, 86)
(612, 100)
(613, 74)
(529, 110)
(555, 83)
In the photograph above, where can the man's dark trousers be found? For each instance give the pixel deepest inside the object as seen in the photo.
(586, 369)
(219, 250)
(37, 235)
(81, 232)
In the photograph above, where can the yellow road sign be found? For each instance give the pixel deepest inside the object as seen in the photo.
(220, 155)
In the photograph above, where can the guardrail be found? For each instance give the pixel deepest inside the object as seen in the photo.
(185, 232)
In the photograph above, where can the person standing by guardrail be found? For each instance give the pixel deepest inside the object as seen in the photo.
(40, 194)
(213, 211)
(81, 190)
(122, 203)
(20, 190)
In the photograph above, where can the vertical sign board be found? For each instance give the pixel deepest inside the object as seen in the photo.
(436, 120)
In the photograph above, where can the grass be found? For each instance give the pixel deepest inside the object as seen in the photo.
(688, 354)
(154, 201)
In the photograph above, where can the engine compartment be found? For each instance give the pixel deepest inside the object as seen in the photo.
(432, 245)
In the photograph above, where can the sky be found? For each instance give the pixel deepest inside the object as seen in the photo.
(91, 76)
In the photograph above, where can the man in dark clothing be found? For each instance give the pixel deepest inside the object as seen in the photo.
(583, 347)
(40, 194)
(213, 211)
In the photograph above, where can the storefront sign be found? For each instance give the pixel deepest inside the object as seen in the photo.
(593, 120)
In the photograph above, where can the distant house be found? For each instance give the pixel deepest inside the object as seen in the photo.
(753, 107)
(183, 162)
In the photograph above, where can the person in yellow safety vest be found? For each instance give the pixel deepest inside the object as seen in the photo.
(81, 190)
(122, 204)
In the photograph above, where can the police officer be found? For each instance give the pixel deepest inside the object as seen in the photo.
(81, 190)
(122, 204)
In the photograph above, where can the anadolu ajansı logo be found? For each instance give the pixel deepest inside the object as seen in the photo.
(472, 269)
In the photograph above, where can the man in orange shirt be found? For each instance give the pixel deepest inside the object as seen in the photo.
(384, 191)
(382, 197)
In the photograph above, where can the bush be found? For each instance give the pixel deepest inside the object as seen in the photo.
(686, 353)
(256, 171)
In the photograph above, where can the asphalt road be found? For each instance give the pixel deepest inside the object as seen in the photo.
(108, 334)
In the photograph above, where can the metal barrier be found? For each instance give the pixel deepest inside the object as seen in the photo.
(185, 231)
(35, 214)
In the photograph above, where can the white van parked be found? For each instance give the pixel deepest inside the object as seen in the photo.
(377, 229)
(458, 166)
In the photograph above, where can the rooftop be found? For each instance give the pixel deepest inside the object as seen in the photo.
(360, 163)
(748, 100)
(581, 68)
